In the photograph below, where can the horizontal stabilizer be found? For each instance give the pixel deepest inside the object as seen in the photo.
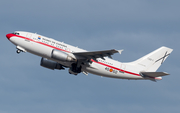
(153, 74)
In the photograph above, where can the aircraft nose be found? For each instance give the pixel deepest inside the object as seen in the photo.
(9, 36)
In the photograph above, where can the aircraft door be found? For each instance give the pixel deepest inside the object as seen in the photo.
(122, 67)
(29, 35)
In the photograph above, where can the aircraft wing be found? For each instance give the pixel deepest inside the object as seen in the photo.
(97, 54)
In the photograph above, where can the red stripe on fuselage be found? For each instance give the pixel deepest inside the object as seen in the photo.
(116, 68)
(12, 35)
(123, 70)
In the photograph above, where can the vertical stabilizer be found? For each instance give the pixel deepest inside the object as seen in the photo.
(152, 61)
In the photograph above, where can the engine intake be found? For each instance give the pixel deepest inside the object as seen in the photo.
(61, 56)
(50, 64)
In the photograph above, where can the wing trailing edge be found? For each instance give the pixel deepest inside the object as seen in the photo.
(98, 54)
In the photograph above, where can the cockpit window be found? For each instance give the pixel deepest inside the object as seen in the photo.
(16, 33)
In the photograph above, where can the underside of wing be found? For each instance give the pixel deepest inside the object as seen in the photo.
(97, 54)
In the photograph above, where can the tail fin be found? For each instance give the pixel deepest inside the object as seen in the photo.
(152, 61)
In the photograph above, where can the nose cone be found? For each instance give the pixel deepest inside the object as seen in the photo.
(9, 36)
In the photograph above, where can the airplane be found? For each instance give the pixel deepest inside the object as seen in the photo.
(59, 55)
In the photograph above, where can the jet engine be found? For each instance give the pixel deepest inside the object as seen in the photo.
(61, 56)
(50, 64)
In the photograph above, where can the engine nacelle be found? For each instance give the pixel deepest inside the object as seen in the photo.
(61, 56)
(50, 64)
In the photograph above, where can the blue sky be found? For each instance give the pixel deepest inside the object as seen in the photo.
(137, 26)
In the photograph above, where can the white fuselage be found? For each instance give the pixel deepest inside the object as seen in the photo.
(43, 46)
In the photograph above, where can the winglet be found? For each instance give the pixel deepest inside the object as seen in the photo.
(120, 51)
